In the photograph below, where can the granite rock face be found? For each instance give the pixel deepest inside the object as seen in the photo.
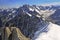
(12, 33)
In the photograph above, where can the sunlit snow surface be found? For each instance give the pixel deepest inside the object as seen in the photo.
(52, 34)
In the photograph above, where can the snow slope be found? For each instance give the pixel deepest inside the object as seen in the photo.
(52, 34)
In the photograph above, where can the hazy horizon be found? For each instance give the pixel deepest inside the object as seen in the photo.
(17, 3)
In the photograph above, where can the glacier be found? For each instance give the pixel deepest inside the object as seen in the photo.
(52, 34)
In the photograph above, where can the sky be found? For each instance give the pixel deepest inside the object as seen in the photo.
(17, 3)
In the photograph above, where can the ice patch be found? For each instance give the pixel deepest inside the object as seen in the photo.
(31, 9)
(29, 14)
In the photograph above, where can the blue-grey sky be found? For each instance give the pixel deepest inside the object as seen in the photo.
(16, 3)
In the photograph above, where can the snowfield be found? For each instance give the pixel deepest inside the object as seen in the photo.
(52, 34)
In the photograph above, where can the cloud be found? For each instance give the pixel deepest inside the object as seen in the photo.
(53, 3)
